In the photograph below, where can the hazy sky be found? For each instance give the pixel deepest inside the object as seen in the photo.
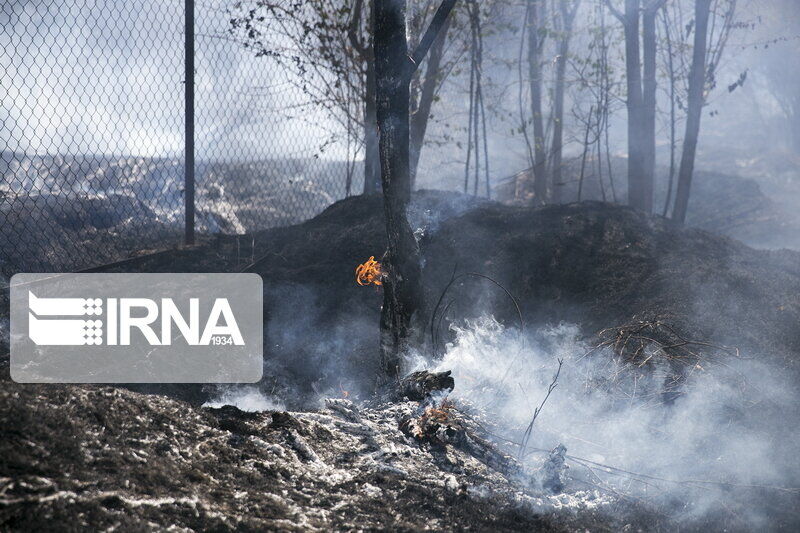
(106, 76)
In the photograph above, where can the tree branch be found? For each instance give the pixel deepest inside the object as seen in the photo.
(614, 11)
(427, 40)
(352, 30)
(654, 5)
(569, 14)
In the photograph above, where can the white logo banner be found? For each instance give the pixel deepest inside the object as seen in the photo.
(136, 328)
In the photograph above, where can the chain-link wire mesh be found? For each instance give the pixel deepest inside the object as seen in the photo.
(259, 163)
(92, 134)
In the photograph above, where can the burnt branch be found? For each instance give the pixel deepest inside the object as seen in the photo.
(436, 25)
(419, 386)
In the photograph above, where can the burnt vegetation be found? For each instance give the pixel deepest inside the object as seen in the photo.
(414, 452)
(596, 337)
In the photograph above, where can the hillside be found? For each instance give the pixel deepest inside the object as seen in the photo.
(675, 403)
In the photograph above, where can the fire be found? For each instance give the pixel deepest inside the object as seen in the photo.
(439, 414)
(369, 273)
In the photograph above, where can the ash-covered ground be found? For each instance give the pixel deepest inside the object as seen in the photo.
(675, 402)
(99, 458)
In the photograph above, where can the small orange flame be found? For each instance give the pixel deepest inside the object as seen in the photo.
(369, 273)
(345, 394)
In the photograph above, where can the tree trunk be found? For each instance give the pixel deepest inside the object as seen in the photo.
(372, 162)
(402, 294)
(535, 42)
(672, 123)
(419, 120)
(696, 100)
(637, 191)
(649, 86)
(567, 18)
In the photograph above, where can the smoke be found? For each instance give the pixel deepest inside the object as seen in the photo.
(249, 399)
(730, 433)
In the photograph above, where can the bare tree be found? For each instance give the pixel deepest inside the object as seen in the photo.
(592, 77)
(702, 78)
(362, 46)
(422, 110)
(567, 10)
(394, 67)
(649, 88)
(672, 77)
(329, 47)
(641, 96)
(536, 40)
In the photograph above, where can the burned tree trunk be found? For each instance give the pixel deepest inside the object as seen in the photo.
(402, 296)
(696, 100)
(402, 292)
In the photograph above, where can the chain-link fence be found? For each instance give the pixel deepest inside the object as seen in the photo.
(93, 161)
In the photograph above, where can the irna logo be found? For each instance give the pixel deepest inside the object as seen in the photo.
(83, 322)
(136, 328)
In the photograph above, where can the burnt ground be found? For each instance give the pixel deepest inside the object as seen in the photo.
(100, 457)
(84, 458)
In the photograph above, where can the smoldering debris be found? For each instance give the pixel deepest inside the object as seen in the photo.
(340, 468)
(419, 386)
(726, 433)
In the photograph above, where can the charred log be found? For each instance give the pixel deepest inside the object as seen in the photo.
(419, 386)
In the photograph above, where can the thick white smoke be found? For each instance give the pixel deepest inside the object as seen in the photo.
(730, 433)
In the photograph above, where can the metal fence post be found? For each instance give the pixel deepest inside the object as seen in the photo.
(189, 110)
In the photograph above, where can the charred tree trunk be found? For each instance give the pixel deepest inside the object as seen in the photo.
(696, 100)
(402, 294)
(567, 18)
(535, 43)
(402, 288)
